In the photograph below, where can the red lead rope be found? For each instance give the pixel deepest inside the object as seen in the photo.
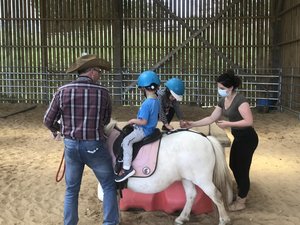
(62, 162)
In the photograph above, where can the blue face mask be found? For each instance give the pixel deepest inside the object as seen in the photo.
(222, 92)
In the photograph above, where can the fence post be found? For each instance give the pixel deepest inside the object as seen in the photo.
(198, 101)
(117, 51)
(291, 90)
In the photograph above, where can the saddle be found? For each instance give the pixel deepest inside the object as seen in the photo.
(118, 150)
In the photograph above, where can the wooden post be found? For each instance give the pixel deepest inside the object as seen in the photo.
(275, 31)
(117, 52)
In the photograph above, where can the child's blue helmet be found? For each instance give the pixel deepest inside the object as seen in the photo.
(148, 79)
(176, 87)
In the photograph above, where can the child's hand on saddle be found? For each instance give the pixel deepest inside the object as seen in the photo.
(169, 127)
(182, 124)
(131, 122)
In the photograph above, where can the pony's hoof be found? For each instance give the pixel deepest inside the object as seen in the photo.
(224, 221)
(180, 221)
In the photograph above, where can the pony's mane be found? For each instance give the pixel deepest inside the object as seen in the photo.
(109, 127)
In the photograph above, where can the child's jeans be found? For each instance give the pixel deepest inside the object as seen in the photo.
(135, 136)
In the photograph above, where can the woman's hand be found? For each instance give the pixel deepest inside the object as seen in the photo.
(222, 124)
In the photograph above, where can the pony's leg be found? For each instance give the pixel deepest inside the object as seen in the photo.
(190, 193)
(213, 193)
(120, 215)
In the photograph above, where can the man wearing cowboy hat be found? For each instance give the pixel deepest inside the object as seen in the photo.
(84, 108)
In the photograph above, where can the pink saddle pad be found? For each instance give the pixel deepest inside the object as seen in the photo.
(146, 159)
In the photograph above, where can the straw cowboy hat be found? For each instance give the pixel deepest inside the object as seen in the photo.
(88, 61)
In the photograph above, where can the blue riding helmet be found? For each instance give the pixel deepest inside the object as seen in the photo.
(175, 85)
(148, 78)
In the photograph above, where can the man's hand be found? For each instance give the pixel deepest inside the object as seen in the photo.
(56, 136)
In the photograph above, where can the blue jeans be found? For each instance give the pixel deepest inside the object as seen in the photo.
(94, 154)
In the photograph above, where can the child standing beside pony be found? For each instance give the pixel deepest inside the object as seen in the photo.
(169, 103)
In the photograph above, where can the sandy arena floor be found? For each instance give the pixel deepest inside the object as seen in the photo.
(29, 159)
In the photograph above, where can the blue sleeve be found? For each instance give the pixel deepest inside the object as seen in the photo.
(144, 110)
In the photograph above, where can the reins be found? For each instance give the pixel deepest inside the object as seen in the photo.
(62, 162)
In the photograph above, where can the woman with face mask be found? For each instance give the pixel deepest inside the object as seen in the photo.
(236, 108)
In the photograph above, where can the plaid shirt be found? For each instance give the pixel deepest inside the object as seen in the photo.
(82, 107)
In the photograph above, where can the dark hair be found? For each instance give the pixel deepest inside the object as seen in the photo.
(167, 92)
(229, 79)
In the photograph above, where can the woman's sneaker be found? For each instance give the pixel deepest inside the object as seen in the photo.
(125, 174)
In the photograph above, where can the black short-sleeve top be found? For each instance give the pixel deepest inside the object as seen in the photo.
(232, 113)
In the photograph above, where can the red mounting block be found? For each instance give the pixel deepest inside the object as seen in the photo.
(170, 200)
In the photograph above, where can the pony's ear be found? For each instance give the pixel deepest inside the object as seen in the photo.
(108, 128)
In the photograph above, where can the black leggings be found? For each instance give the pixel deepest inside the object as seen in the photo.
(242, 149)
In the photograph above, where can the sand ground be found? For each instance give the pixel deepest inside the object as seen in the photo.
(29, 159)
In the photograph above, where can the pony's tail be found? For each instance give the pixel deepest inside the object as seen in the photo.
(221, 176)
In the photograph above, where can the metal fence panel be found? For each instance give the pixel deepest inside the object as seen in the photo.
(260, 86)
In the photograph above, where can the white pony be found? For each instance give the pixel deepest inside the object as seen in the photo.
(195, 160)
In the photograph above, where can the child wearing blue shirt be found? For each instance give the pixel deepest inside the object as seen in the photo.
(145, 123)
